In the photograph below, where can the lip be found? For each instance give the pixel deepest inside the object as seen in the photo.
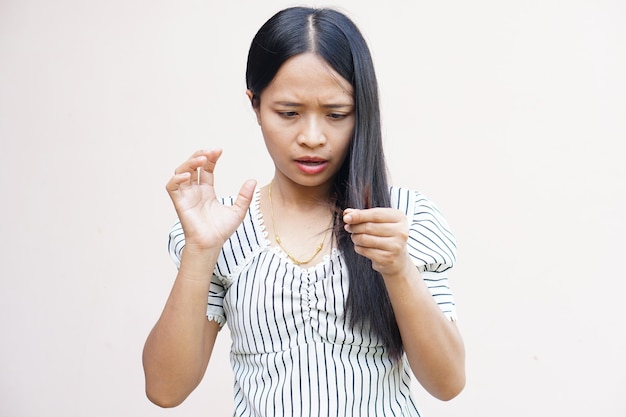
(311, 164)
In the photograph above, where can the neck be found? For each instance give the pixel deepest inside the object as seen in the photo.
(298, 247)
(292, 196)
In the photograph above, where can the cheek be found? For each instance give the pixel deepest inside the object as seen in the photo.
(272, 125)
(276, 140)
(267, 128)
(273, 136)
(345, 142)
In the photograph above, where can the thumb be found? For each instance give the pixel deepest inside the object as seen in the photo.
(244, 198)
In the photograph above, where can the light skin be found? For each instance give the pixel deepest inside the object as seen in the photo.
(306, 116)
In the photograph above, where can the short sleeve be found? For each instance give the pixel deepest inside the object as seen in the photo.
(431, 245)
(217, 291)
(439, 288)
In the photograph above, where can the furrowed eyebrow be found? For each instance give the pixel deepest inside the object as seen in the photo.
(287, 104)
(337, 106)
(326, 106)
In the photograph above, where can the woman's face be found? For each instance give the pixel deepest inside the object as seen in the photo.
(307, 118)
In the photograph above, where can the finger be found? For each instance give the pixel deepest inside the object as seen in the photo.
(203, 158)
(393, 242)
(383, 252)
(375, 229)
(209, 153)
(212, 155)
(205, 171)
(191, 165)
(375, 215)
(244, 198)
(373, 254)
(372, 241)
(176, 181)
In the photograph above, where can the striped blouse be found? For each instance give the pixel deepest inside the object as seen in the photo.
(292, 353)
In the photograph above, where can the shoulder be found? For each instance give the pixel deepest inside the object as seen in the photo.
(431, 243)
(412, 202)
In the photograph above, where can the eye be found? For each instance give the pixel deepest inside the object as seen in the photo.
(288, 114)
(337, 116)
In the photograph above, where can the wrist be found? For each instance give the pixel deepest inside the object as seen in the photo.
(201, 249)
(405, 272)
(201, 240)
(197, 263)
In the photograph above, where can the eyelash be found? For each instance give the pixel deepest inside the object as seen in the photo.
(291, 114)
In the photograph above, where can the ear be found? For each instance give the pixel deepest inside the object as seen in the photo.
(254, 101)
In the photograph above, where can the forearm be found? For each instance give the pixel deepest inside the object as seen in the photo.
(179, 346)
(432, 342)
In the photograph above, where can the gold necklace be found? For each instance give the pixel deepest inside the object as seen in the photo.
(277, 237)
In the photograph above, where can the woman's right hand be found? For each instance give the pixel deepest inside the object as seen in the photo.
(207, 223)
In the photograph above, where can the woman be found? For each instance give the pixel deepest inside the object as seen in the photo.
(333, 287)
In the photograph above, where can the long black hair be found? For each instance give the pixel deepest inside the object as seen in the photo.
(362, 180)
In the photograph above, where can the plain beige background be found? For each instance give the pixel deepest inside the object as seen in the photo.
(511, 115)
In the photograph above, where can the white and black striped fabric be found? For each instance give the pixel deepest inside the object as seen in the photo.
(293, 353)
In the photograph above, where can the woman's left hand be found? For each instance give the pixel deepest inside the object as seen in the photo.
(380, 234)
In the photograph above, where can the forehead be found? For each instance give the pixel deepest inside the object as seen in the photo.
(308, 74)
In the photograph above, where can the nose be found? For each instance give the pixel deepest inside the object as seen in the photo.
(311, 133)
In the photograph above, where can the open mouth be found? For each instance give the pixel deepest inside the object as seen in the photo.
(312, 166)
(310, 162)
